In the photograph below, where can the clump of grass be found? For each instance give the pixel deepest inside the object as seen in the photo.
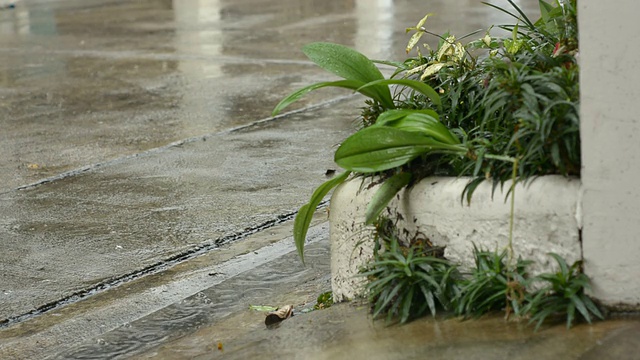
(492, 285)
(409, 281)
(563, 295)
(406, 282)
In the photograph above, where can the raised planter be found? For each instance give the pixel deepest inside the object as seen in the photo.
(547, 219)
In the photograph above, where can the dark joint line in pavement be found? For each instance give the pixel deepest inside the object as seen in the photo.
(149, 270)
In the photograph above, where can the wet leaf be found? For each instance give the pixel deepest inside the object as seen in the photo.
(423, 88)
(379, 148)
(279, 315)
(350, 65)
(305, 214)
(385, 193)
(298, 94)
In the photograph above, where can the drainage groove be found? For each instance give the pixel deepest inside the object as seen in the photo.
(149, 270)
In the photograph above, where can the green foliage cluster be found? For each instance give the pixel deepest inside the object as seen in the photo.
(521, 101)
(405, 282)
(452, 112)
(409, 281)
(563, 294)
(492, 285)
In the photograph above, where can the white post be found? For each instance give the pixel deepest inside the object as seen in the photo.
(610, 131)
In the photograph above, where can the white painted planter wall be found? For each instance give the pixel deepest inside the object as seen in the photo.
(547, 219)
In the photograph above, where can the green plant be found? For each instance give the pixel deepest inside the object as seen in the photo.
(456, 113)
(563, 295)
(520, 102)
(324, 300)
(359, 73)
(407, 281)
(492, 285)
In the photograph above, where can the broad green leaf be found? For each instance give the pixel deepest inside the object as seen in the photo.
(424, 123)
(343, 61)
(350, 65)
(305, 214)
(419, 86)
(379, 148)
(395, 114)
(385, 193)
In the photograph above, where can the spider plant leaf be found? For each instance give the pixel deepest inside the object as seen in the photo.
(592, 307)
(379, 148)
(571, 313)
(429, 279)
(428, 296)
(385, 193)
(579, 304)
(305, 214)
(524, 16)
(390, 296)
(405, 311)
(468, 190)
(419, 86)
(564, 268)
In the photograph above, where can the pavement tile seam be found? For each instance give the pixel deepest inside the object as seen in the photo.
(150, 56)
(61, 330)
(155, 268)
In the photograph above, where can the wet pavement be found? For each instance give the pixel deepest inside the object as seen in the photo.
(146, 196)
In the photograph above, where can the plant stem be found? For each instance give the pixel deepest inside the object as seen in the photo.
(514, 173)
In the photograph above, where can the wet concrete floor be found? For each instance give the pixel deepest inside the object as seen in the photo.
(146, 195)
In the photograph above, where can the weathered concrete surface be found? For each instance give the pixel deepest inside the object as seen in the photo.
(346, 331)
(187, 311)
(546, 219)
(73, 233)
(215, 285)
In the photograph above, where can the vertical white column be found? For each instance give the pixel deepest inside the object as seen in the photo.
(610, 131)
(375, 28)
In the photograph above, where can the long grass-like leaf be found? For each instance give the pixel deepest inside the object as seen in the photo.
(406, 306)
(305, 214)
(385, 193)
(298, 94)
(419, 86)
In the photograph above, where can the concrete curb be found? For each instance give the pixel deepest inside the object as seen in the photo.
(547, 219)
